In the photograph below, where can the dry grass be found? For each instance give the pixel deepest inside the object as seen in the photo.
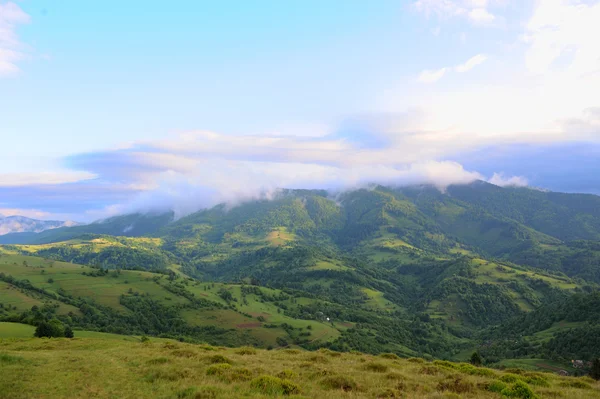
(100, 368)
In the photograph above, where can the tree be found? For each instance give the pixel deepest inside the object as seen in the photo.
(69, 332)
(595, 371)
(50, 329)
(475, 359)
(44, 329)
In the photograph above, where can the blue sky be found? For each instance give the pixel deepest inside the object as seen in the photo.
(110, 107)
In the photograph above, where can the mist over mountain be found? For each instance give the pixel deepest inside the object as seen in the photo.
(22, 224)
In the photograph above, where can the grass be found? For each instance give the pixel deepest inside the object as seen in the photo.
(103, 367)
(16, 330)
(107, 290)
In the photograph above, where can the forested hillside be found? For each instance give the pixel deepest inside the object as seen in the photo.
(412, 270)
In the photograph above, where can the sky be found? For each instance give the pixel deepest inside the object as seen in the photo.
(113, 107)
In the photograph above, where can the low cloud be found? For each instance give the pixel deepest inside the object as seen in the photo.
(499, 179)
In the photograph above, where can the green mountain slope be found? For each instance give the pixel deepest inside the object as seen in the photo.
(409, 270)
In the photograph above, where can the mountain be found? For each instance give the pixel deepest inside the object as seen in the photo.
(409, 270)
(22, 224)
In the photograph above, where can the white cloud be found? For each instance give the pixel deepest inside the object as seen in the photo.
(471, 63)
(431, 76)
(30, 213)
(43, 178)
(11, 49)
(476, 11)
(481, 16)
(499, 179)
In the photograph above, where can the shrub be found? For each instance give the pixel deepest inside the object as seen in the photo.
(318, 359)
(218, 369)
(218, 359)
(239, 374)
(167, 375)
(538, 381)
(69, 332)
(376, 367)
(185, 353)
(475, 359)
(392, 356)
(246, 350)
(416, 360)
(446, 364)
(50, 329)
(388, 393)
(519, 390)
(472, 370)
(339, 382)
(322, 373)
(329, 352)
(144, 339)
(289, 374)
(510, 378)
(186, 393)
(291, 351)
(430, 370)
(456, 384)
(573, 383)
(394, 376)
(274, 385)
(496, 386)
(207, 392)
(10, 359)
(158, 360)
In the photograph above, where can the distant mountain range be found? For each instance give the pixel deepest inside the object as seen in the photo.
(22, 224)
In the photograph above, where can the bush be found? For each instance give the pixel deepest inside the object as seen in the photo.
(538, 381)
(238, 374)
(218, 369)
(388, 393)
(219, 359)
(376, 367)
(50, 329)
(69, 332)
(188, 353)
(416, 360)
(339, 382)
(274, 385)
(329, 352)
(475, 359)
(392, 356)
(289, 374)
(575, 384)
(456, 384)
(510, 378)
(246, 350)
(207, 392)
(144, 339)
(519, 390)
(167, 375)
(430, 370)
(496, 386)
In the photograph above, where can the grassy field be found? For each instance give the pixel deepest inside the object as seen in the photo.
(109, 368)
(107, 290)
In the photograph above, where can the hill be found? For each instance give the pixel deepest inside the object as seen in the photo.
(77, 368)
(412, 270)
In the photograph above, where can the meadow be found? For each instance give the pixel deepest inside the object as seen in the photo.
(111, 366)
